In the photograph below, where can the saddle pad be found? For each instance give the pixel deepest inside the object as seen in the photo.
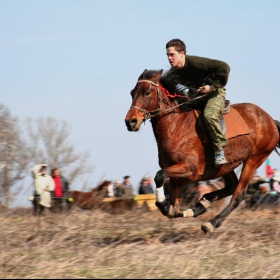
(235, 125)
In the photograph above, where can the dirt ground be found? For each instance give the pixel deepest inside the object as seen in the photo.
(138, 244)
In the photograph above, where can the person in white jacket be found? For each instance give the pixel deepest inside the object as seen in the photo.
(43, 184)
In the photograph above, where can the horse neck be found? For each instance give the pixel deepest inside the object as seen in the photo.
(166, 124)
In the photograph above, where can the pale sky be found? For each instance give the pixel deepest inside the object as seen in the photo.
(77, 61)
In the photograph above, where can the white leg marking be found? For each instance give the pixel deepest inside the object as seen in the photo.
(206, 203)
(160, 194)
(188, 213)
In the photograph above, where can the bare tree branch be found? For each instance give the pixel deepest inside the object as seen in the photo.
(49, 142)
(14, 160)
(43, 140)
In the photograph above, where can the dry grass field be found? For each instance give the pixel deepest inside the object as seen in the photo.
(138, 244)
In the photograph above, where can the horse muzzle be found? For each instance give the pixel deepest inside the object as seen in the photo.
(132, 124)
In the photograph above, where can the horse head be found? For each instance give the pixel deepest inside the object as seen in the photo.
(101, 186)
(146, 99)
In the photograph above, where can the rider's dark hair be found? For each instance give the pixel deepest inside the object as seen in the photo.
(178, 44)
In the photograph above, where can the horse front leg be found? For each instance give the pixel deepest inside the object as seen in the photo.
(162, 192)
(169, 191)
(174, 200)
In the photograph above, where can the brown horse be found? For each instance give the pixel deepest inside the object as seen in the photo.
(185, 157)
(90, 200)
(94, 200)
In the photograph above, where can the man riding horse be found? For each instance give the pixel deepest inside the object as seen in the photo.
(184, 155)
(193, 72)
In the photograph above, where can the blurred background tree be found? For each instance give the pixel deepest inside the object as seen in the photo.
(48, 140)
(35, 141)
(14, 160)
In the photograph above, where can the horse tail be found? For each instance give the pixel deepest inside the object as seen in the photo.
(278, 145)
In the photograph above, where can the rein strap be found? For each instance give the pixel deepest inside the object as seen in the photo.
(154, 113)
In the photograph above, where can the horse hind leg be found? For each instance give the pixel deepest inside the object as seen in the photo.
(206, 201)
(239, 194)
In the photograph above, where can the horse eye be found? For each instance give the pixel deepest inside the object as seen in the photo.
(147, 93)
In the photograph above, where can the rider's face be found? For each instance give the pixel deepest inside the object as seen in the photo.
(176, 59)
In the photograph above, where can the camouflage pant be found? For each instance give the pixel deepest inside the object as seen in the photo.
(213, 109)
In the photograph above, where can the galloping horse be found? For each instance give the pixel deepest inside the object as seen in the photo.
(90, 200)
(94, 200)
(185, 156)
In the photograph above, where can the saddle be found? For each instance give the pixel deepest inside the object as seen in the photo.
(232, 124)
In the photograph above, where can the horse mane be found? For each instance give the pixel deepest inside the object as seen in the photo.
(101, 186)
(169, 80)
(92, 199)
(147, 74)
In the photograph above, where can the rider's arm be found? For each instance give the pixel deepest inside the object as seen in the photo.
(220, 72)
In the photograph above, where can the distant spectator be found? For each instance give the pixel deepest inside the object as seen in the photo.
(151, 183)
(144, 187)
(61, 187)
(61, 183)
(110, 191)
(275, 181)
(43, 184)
(254, 191)
(125, 190)
(117, 188)
(268, 169)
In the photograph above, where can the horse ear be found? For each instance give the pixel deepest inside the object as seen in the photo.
(157, 76)
(142, 75)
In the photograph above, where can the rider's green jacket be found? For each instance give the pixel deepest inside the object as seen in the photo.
(196, 69)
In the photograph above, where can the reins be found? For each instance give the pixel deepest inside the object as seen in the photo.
(154, 113)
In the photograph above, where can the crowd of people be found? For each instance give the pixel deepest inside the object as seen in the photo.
(54, 187)
(47, 187)
(126, 190)
(263, 190)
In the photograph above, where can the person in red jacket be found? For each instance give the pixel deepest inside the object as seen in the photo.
(61, 187)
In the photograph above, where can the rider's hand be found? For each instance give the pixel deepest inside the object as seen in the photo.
(206, 89)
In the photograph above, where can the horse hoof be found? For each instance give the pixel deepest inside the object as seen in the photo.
(207, 228)
(171, 212)
(188, 213)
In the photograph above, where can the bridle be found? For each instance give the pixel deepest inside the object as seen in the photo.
(151, 114)
(154, 113)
